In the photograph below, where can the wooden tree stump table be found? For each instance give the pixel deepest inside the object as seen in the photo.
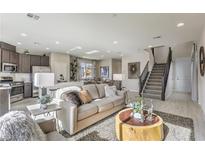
(130, 129)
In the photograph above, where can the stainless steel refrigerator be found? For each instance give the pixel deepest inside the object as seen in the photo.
(38, 69)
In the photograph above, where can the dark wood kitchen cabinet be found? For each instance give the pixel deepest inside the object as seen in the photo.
(27, 90)
(10, 57)
(35, 60)
(14, 58)
(8, 53)
(44, 61)
(24, 63)
(5, 56)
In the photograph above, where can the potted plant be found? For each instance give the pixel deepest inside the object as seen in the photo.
(137, 108)
(44, 100)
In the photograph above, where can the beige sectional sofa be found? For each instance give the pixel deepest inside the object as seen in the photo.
(73, 119)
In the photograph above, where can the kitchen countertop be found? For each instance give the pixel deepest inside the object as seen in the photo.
(4, 88)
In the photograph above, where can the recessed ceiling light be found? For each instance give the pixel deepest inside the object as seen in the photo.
(57, 42)
(92, 52)
(47, 48)
(23, 34)
(150, 46)
(115, 42)
(19, 43)
(181, 24)
(86, 57)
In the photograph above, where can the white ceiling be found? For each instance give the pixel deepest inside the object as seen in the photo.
(134, 32)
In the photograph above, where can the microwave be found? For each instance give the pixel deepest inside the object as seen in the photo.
(9, 68)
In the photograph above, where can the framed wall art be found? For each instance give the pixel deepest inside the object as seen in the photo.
(133, 70)
(104, 71)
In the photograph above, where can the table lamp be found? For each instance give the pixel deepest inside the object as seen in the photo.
(118, 77)
(43, 81)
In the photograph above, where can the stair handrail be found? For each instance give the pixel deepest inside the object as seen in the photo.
(143, 77)
(166, 74)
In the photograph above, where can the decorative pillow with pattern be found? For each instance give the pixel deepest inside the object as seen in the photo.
(85, 96)
(73, 98)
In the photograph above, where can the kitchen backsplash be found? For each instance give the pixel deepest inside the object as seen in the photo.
(26, 77)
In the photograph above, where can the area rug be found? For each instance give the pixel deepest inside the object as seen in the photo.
(176, 128)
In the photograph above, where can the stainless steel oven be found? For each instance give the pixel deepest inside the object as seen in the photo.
(17, 90)
(8, 67)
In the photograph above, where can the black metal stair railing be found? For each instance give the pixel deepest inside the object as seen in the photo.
(166, 74)
(143, 78)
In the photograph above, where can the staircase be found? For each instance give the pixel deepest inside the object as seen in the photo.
(153, 87)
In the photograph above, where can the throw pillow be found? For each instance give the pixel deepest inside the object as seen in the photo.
(110, 91)
(85, 96)
(92, 90)
(72, 98)
(101, 90)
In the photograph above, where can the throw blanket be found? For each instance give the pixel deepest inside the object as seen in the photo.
(18, 126)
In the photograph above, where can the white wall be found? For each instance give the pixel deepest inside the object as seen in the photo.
(161, 54)
(179, 79)
(141, 57)
(194, 75)
(60, 64)
(183, 74)
(151, 59)
(116, 66)
(170, 81)
(182, 50)
(201, 79)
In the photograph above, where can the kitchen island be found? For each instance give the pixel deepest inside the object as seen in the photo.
(4, 99)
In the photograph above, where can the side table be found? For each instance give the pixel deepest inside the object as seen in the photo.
(45, 114)
(130, 129)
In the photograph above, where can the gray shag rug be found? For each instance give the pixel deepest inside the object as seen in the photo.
(19, 126)
(176, 128)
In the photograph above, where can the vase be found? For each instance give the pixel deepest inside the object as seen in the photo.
(44, 106)
(137, 115)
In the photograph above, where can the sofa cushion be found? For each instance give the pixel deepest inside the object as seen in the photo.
(103, 104)
(101, 90)
(85, 96)
(116, 100)
(87, 110)
(110, 91)
(92, 89)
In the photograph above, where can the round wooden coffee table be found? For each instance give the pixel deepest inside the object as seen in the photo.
(131, 129)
